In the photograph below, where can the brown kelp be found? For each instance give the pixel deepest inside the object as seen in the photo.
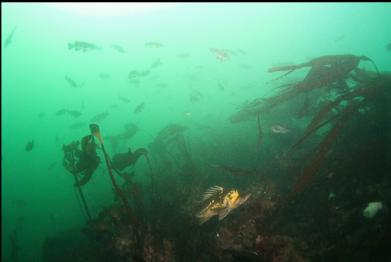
(71, 162)
(367, 89)
(325, 71)
(165, 139)
(96, 133)
(309, 172)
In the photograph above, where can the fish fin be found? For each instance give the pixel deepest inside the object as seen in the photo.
(202, 220)
(211, 192)
(244, 199)
(224, 213)
(204, 215)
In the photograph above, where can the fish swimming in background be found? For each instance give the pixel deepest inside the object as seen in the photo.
(77, 125)
(100, 117)
(71, 82)
(83, 46)
(61, 112)
(119, 49)
(161, 85)
(219, 203)
(41, 115)
(74, 113)
(134, 82)
(29, 146)
(104, 76)
(134, 73)
(154, 44)
(124, 99)
(183, 55)
(220, 54)
(19, 202)
(339, 38)
(8, 40)
(139, 108)
(388, 47)
(242, 52)
(195, 96)
(51, 166)
(277, 129)
(221, 86)
(156, 63)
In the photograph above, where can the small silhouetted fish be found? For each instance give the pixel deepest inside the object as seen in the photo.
(40, 115)
(77, 125)
(53, 218)
(388, 47)
(134, 82)
(339, 38)
(162, 85)
(29, 146)
(8, 41)
(144, 73)
(74, 113)
(51, 166)
(246, 66)
(104, 76)
(242, 52)
(156, 63)
(57, 139)
(83, 46)
(119, 48)
(154, 44)
(220, 54)
(277, 129)
(61, 112)
(139, 108)
(183, 55)
(134, 73)
(124, 99)
(19, 202)
(100, 117)
(71, 82)
(113, 106)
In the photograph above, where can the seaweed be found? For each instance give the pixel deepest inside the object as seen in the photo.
(307, 176)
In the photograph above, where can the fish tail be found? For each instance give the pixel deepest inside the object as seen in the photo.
(224, 213)
(70, 45)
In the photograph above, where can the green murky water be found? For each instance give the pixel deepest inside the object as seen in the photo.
(188, 64)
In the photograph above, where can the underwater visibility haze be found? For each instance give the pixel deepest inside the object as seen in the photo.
(196, 131)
